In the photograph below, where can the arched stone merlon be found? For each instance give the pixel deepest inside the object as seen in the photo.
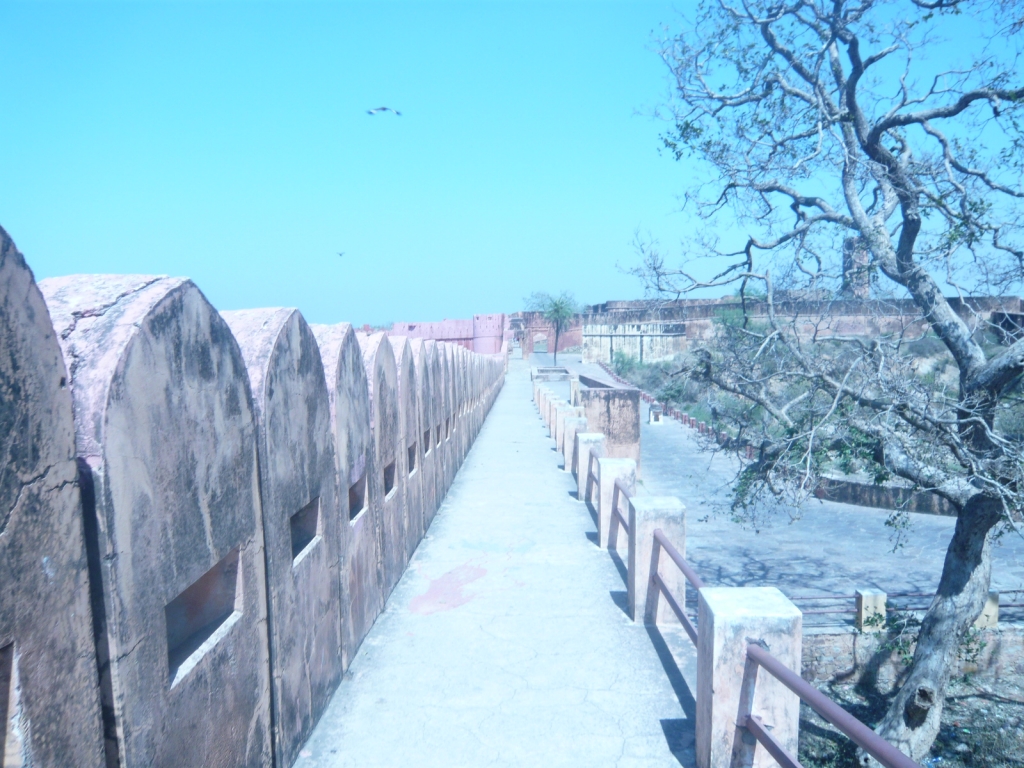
(363, 569)
(436, 405)
(426, 435)
(410, 455)
(166, 438)
(447, 396)
(301, 522)
(466, 437)
(47, 656)
(388, 482)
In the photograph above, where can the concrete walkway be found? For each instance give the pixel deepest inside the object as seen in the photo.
(506, 643)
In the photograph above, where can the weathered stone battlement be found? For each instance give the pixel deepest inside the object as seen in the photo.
(203, 514)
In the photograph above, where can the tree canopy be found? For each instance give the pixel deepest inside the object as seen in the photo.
(871, 151)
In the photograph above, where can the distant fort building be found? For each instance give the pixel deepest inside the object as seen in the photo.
(650, 331)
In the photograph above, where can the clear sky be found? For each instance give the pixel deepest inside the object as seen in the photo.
(229, 142)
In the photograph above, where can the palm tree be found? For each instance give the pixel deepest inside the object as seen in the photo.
(557, 310)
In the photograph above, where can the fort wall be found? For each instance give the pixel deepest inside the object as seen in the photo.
(224, 503)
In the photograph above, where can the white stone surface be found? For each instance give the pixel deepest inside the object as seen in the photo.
(729, 686)
(608, 472)
(646, 515)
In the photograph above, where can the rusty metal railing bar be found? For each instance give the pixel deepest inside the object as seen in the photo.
(776, 750)
(829, 610)
(683, 618)
(821, 597)
(688, 572)
(860, 734)
(622, 521)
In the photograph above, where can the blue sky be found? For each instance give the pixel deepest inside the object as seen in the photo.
(229, 142)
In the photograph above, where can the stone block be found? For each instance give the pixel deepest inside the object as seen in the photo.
(387, 486)
(655, 415)
(409, 450)
(301, 523)
(615, 412)
(554, 403)
(729, 686)
(989, 616)
(362, 569)
(425, 377)
(47, 655)
(646, 515)
(167, 438)
(608, 472)
(589, 447)
(871, 610)
(435, 363)
(451, 462)
(572, 426)
(563, 412)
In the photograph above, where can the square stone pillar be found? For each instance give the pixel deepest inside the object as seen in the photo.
(870, 603)
(572, 426)
(608, 471)
(553, 403)
(654, 415)
(990, 613)
(729, 686)
(542, 400)
(646, 514)
(562, 412)
(587, 444)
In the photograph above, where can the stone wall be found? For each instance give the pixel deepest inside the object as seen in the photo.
(482, 334)
(202, 515)
(655, 330)
(848, 656)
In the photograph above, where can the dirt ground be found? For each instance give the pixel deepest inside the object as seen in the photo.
(982, 726)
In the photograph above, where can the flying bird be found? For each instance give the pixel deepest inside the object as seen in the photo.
(341, 253)
(383, 109)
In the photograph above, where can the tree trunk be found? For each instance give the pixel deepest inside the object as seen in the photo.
(912, 722)
(556, 345)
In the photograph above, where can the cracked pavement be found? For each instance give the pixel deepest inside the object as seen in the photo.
(505, 643)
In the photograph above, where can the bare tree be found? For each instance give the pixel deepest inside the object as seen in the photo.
(854, 161)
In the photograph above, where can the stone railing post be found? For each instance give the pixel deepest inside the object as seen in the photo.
(989, 616)
(587, 444)
(730, 686)
(608, 471)
(563, 412)
(871, 610)
(553, 403)
(646, 514)
(572, 426)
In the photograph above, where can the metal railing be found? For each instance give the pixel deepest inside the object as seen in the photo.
(660, 540)
(619, 494)
(859, 734)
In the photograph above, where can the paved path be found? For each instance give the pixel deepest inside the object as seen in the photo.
(505, 643)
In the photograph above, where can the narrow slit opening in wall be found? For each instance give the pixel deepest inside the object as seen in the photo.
(195, 617)
(439, 434)
(412, 458)
(426, 442)
(357, 497)
(305, 525)
(447, 428)
(389, 478)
